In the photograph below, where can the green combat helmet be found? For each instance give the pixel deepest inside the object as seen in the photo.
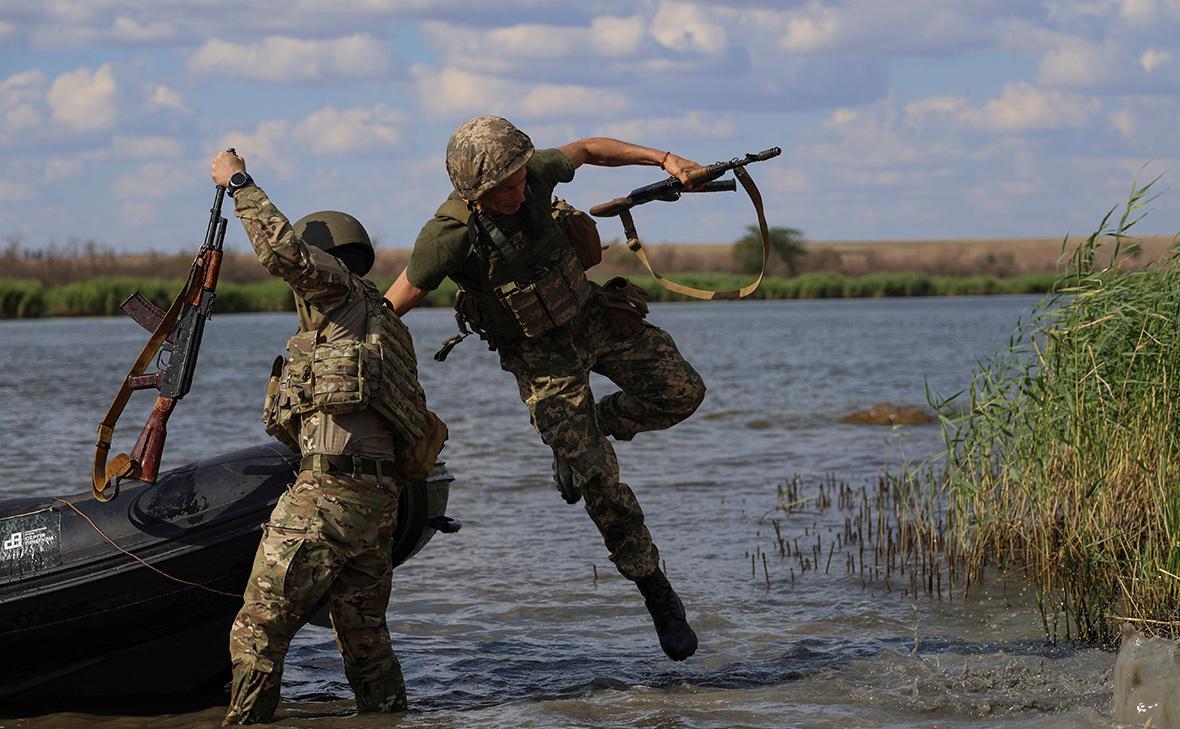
(339, 234)
(484, 152)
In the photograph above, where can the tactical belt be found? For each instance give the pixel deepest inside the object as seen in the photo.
(351, 466)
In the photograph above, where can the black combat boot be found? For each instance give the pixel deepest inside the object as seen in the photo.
(563, 476)
(667, 612)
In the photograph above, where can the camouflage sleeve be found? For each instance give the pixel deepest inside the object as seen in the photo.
(313, 274)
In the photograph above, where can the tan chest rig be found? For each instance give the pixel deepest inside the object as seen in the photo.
(532, 282)
(377, 373)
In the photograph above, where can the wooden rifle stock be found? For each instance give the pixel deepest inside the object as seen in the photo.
(191, 307)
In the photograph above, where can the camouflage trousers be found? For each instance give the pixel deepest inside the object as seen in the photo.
(327, 538)
(659, 388)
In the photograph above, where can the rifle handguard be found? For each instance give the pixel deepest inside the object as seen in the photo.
(612, 208)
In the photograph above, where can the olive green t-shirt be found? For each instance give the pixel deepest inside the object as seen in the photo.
(443, 248)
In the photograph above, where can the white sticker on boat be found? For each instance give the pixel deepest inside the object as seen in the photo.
(30, 543)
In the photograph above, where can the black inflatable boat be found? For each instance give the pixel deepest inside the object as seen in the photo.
(81, 617)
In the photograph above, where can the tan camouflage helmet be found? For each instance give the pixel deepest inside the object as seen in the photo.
(483, 152)
(339, 234)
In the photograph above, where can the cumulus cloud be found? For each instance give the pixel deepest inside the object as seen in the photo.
(450, 92)
(261, 147)
(165, 97)
(285, 59)
(520, 47)
(687, 26)
(84, 100)
(1153, 59)
(20, 97)
(153, 180)
(62, 168)
(330, 130)
(693, 125)
(1021, 107)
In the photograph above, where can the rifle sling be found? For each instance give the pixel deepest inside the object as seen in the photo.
(706, 294)
(122, 465)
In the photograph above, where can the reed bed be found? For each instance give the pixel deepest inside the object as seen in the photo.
(1061, 467)
(1065, 455)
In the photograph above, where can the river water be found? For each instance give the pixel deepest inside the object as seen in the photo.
(519, 620)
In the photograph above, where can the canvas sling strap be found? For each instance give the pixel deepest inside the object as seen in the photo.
(104, 479)
(637, 248)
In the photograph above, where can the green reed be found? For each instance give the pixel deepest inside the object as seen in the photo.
(1063, 459)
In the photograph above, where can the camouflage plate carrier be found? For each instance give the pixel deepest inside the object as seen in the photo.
(379, 373)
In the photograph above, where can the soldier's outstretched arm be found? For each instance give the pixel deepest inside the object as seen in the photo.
(404, 295)
(607, 152)
(313, 274)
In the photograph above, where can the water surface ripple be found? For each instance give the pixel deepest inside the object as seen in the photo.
(504, 623)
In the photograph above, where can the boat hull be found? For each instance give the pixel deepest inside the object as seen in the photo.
(81, 617)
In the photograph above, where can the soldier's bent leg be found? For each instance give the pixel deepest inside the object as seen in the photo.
(292, 571)
(562, 408)
(659, 387)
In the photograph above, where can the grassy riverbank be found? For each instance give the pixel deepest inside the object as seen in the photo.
(27, 299)
(1063, 465)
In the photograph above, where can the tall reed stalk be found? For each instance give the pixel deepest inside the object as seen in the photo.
(1064, 458)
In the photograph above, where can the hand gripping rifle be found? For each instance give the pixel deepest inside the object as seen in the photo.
(702, 179)
(178, 332)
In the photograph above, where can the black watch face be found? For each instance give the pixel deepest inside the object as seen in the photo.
(238, 179)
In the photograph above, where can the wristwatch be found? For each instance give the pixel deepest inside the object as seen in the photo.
(237, 181)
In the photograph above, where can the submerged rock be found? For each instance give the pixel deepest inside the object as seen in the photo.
(887, 413)
(1147, 681)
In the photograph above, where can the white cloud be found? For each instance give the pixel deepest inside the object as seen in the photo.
(693, 125)
(1123, 122)
(1021, 107)
(165, 97)
(330, 130)
(448, 92)
(284, 59)
(687, 26)
(84, 100)
(260, 147)
(20, 95)
(154, 180)
(1153, 59)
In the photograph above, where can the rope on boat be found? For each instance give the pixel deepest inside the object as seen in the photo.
(140, 560)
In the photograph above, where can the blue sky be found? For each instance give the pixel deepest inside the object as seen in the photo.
(897, 120)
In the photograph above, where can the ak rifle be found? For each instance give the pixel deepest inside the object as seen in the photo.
(175, 343)
(700, 179)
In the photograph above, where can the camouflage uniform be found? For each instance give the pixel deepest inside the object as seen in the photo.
(329, 535)
(659, 388)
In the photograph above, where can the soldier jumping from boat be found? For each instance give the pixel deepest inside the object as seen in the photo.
(525, 292)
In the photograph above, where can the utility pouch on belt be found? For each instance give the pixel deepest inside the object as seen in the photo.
(551, 299)
(626, 305)
(581, 230)
(415, 459)
(279, 419)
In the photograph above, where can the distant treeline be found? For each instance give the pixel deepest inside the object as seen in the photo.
(28, 299)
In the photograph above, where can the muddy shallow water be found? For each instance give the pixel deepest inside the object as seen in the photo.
(519, 620)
